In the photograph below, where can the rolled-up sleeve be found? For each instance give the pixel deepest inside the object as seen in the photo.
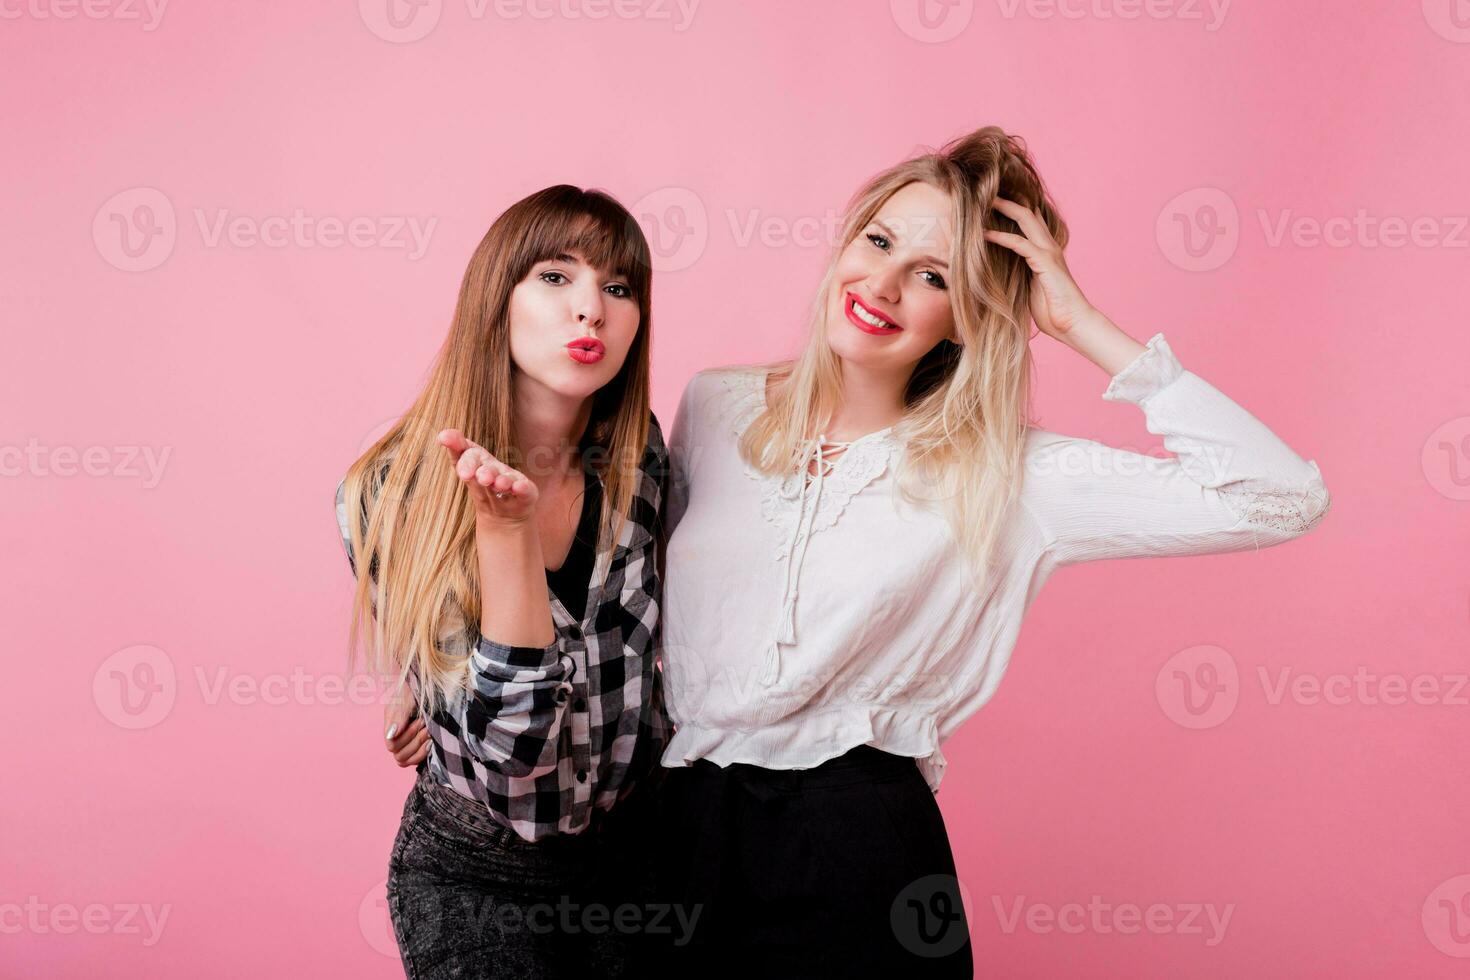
(510, 718)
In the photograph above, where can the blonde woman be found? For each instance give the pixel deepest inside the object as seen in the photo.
(856, 535)
(511, 519)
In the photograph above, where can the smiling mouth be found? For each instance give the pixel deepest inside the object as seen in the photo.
(867, 318)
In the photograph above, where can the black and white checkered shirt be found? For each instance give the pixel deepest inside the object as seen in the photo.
(549, 734)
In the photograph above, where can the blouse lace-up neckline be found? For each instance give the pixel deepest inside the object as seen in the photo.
(807, 499)
(818, 452)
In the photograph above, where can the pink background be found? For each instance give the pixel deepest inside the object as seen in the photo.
(260, 821)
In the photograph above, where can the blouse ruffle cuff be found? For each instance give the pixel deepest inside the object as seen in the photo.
(1153, 369)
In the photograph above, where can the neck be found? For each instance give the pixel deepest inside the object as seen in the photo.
(871, 400)
(548, 427)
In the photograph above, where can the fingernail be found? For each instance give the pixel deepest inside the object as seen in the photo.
(391, 729)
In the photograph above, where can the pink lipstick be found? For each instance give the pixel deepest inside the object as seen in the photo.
(586, 350)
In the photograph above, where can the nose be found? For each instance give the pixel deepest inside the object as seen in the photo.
(883, 283)
(589, 309)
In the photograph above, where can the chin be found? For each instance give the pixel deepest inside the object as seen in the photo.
(851, 344)
(570, 380)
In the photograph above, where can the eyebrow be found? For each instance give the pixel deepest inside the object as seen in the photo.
(932, 258)
(570, 259)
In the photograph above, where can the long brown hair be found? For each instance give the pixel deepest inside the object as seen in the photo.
(967, 405)
(407, 511)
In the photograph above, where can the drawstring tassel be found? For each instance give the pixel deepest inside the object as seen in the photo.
(773, 665)
(786, 633)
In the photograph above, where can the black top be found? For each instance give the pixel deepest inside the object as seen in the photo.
(571, 581)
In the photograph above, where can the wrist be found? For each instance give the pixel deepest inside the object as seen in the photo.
(499, 525)
(1087, 327)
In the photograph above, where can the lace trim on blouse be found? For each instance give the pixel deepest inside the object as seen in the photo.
(799, 503)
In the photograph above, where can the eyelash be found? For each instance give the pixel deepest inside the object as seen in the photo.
(940, 284)
(625, 294)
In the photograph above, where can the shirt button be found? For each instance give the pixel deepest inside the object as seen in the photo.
(580, 705)
(581, 775)
(575, 632)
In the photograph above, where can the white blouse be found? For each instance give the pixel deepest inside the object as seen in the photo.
(803, 617)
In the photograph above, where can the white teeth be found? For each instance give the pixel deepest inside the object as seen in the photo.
(869, 318)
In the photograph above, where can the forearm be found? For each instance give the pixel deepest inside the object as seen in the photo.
(1102, 342)
(516, 611)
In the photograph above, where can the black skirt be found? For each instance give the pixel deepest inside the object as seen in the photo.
(843, 869)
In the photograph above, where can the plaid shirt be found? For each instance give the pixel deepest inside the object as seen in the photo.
(548, 734)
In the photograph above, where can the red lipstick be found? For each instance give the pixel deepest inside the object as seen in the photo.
(888, 327)
(586, 350)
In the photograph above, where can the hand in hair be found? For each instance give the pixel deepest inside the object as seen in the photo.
(1057, 303)
(499, 494)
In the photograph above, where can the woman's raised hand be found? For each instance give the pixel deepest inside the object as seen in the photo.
(499, 493)
(1057, 303)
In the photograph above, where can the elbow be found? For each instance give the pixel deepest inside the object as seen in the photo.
(1313, 503)
(1282, 512)
(522, 756)
(1322, 505)
(516, 734)
(1289, 513)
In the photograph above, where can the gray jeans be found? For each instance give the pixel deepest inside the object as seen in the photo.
(470, 898)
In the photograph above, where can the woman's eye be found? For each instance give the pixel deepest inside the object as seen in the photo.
(555, 278)
(622, 292)
(879, 240)
(935, 280)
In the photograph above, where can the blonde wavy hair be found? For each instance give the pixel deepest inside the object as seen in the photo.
(967, 404)
(407, 511)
